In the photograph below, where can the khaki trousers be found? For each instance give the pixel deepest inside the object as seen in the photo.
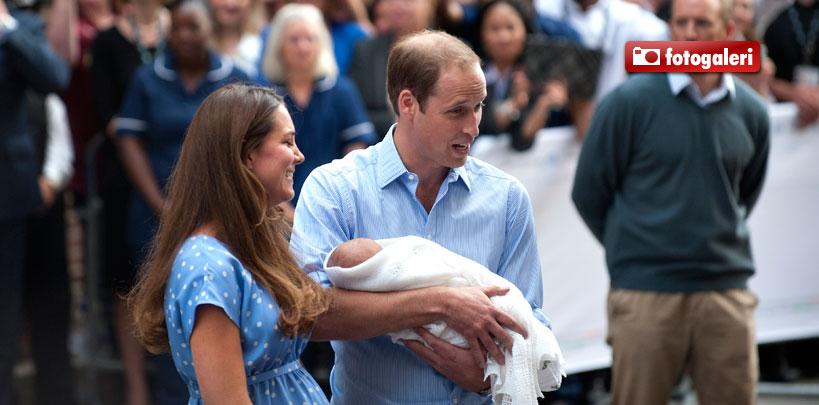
(656, 337)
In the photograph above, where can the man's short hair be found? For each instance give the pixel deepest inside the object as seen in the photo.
(415, 63)
(725, 10)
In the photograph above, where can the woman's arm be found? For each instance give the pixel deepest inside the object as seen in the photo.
(508, 112)
(136, 164)
(554, 95)
(217, 358)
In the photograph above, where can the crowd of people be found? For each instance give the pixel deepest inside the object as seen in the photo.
(218, 127)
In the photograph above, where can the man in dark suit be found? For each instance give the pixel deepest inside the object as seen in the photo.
(26, 62)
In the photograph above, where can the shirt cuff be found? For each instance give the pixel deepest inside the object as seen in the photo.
(540, 316)
(54, 179)
(462, 396)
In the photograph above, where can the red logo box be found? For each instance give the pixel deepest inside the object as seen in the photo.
(693, 56)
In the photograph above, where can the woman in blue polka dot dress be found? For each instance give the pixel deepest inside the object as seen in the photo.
(237, 309)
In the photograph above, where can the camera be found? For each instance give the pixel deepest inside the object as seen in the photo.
(645, 57)
(550, 59)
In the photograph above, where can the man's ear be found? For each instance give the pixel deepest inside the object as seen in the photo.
(407, 104)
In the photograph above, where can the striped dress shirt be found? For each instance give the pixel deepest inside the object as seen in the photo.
(479, 212)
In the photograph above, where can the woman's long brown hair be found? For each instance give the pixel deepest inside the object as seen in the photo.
(212, 185)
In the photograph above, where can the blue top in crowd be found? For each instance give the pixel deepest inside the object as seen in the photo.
(344, 36)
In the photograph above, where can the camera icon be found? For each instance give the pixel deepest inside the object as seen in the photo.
(645, 57)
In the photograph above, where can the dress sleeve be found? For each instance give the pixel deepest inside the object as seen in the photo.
(133, 116)
(354, 126)
(210, 278)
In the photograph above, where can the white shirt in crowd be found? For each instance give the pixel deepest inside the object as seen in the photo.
(247, 54)
(59, 151)
(607, 25)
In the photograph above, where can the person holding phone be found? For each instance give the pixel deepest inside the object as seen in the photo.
(514, 103)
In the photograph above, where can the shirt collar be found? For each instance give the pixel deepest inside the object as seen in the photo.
(388, 160)
(393, 168)
(462, 174)
(325, 83)
(682, 81)
(220, 67)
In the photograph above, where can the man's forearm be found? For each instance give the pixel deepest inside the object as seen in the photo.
(361, 315)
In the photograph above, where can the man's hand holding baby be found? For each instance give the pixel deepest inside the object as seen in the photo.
(453, 362)
(469, 311)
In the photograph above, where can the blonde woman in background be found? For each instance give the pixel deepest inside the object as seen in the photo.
(326, 107)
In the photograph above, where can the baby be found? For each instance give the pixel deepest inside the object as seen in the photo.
(535, 364)
(353, 252)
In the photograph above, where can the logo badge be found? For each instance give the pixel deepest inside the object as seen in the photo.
(693, 56)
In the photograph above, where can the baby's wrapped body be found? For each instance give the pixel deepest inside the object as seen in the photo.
(535, 364)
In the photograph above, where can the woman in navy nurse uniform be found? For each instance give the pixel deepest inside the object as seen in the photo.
(158, 106)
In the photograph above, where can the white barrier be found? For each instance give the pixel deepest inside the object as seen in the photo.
(783, 226)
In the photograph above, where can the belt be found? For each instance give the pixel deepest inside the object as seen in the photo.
(193, 387)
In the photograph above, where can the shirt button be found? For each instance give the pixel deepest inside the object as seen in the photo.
(411, 177)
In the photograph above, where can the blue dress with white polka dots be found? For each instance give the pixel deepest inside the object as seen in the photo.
(205, 272)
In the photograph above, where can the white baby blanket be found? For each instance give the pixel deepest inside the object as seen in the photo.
(536, 364)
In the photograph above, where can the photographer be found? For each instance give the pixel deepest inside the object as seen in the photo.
(514, 105)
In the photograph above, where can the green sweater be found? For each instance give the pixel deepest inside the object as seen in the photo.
(666, 186)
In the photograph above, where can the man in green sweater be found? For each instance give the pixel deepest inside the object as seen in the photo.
(670, 169)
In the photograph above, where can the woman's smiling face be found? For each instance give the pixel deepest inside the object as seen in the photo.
(275, 159)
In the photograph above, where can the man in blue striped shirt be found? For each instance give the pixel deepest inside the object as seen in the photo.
(420, 181)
